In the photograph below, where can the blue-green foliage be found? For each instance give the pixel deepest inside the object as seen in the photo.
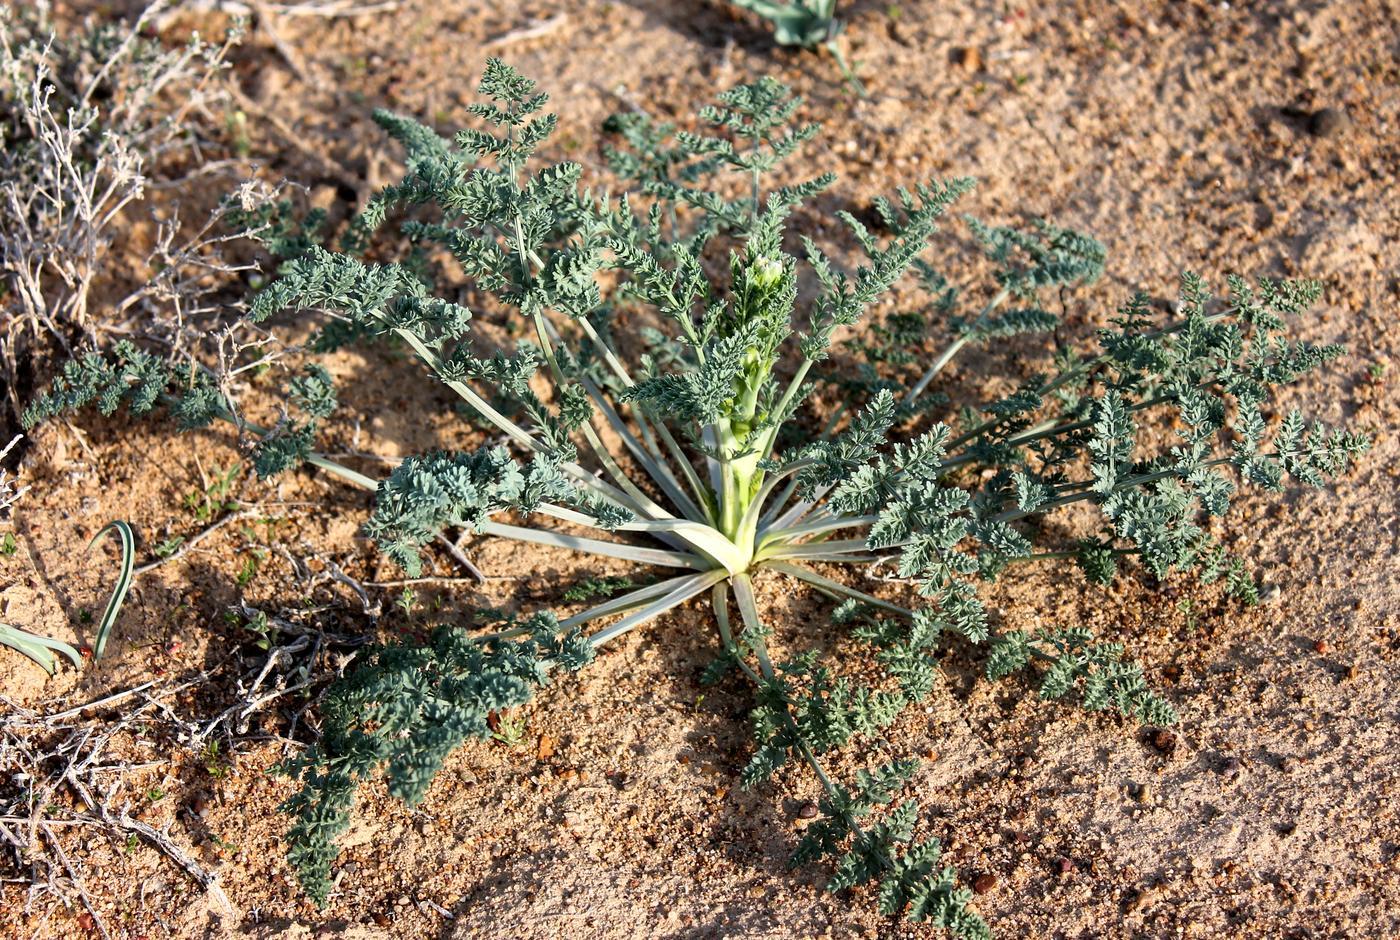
(908, 873)
(131, 376)
(426, 494)
(1074, 660)
(402, 710)
(806, 709)
(845, 297)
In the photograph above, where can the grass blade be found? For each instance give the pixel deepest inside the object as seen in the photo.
(647, 556)
(840, 549)
(753, 623)
(691, 587)
(653, 463)
(626, 602)
(114, 603)
(835, 588)
(817, 527)
(38, 648)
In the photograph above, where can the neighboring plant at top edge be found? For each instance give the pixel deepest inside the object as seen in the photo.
(700, 484)
(810, 24)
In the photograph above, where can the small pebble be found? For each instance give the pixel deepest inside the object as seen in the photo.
(984, 883)
(969, 57)
(1140, 792)
(1164, 741)
(403, 901)
(1230, 767)
(1140, 899)
(1328, 122)
(380, 919)
(1320, 647)
(808, 811)
(1064, 866)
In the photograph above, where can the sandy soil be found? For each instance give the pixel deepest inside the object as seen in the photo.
(1184, 135)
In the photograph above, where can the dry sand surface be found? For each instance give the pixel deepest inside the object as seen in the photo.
(1258, 138)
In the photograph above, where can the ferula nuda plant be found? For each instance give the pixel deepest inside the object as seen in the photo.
(689, 449)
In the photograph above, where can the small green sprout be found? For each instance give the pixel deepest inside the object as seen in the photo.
(509, 730)
(407, 601)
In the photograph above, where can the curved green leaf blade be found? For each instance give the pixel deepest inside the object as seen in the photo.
(38, 648)
(114, 603)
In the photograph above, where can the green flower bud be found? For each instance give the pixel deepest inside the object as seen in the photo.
(765, 272)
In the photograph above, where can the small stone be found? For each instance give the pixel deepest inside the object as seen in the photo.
(984, 883)
(807, 811)
(898, 34)
(1320, 647)
(546, 747)
(1164, 741)
(380, 919)
(968, 58)
(1141, 899)
(403, 901)
(1140, 792)
(1329, 122)
(1064, 866)
(1230, 767)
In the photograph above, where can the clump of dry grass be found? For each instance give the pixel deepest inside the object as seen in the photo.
(94, 121)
